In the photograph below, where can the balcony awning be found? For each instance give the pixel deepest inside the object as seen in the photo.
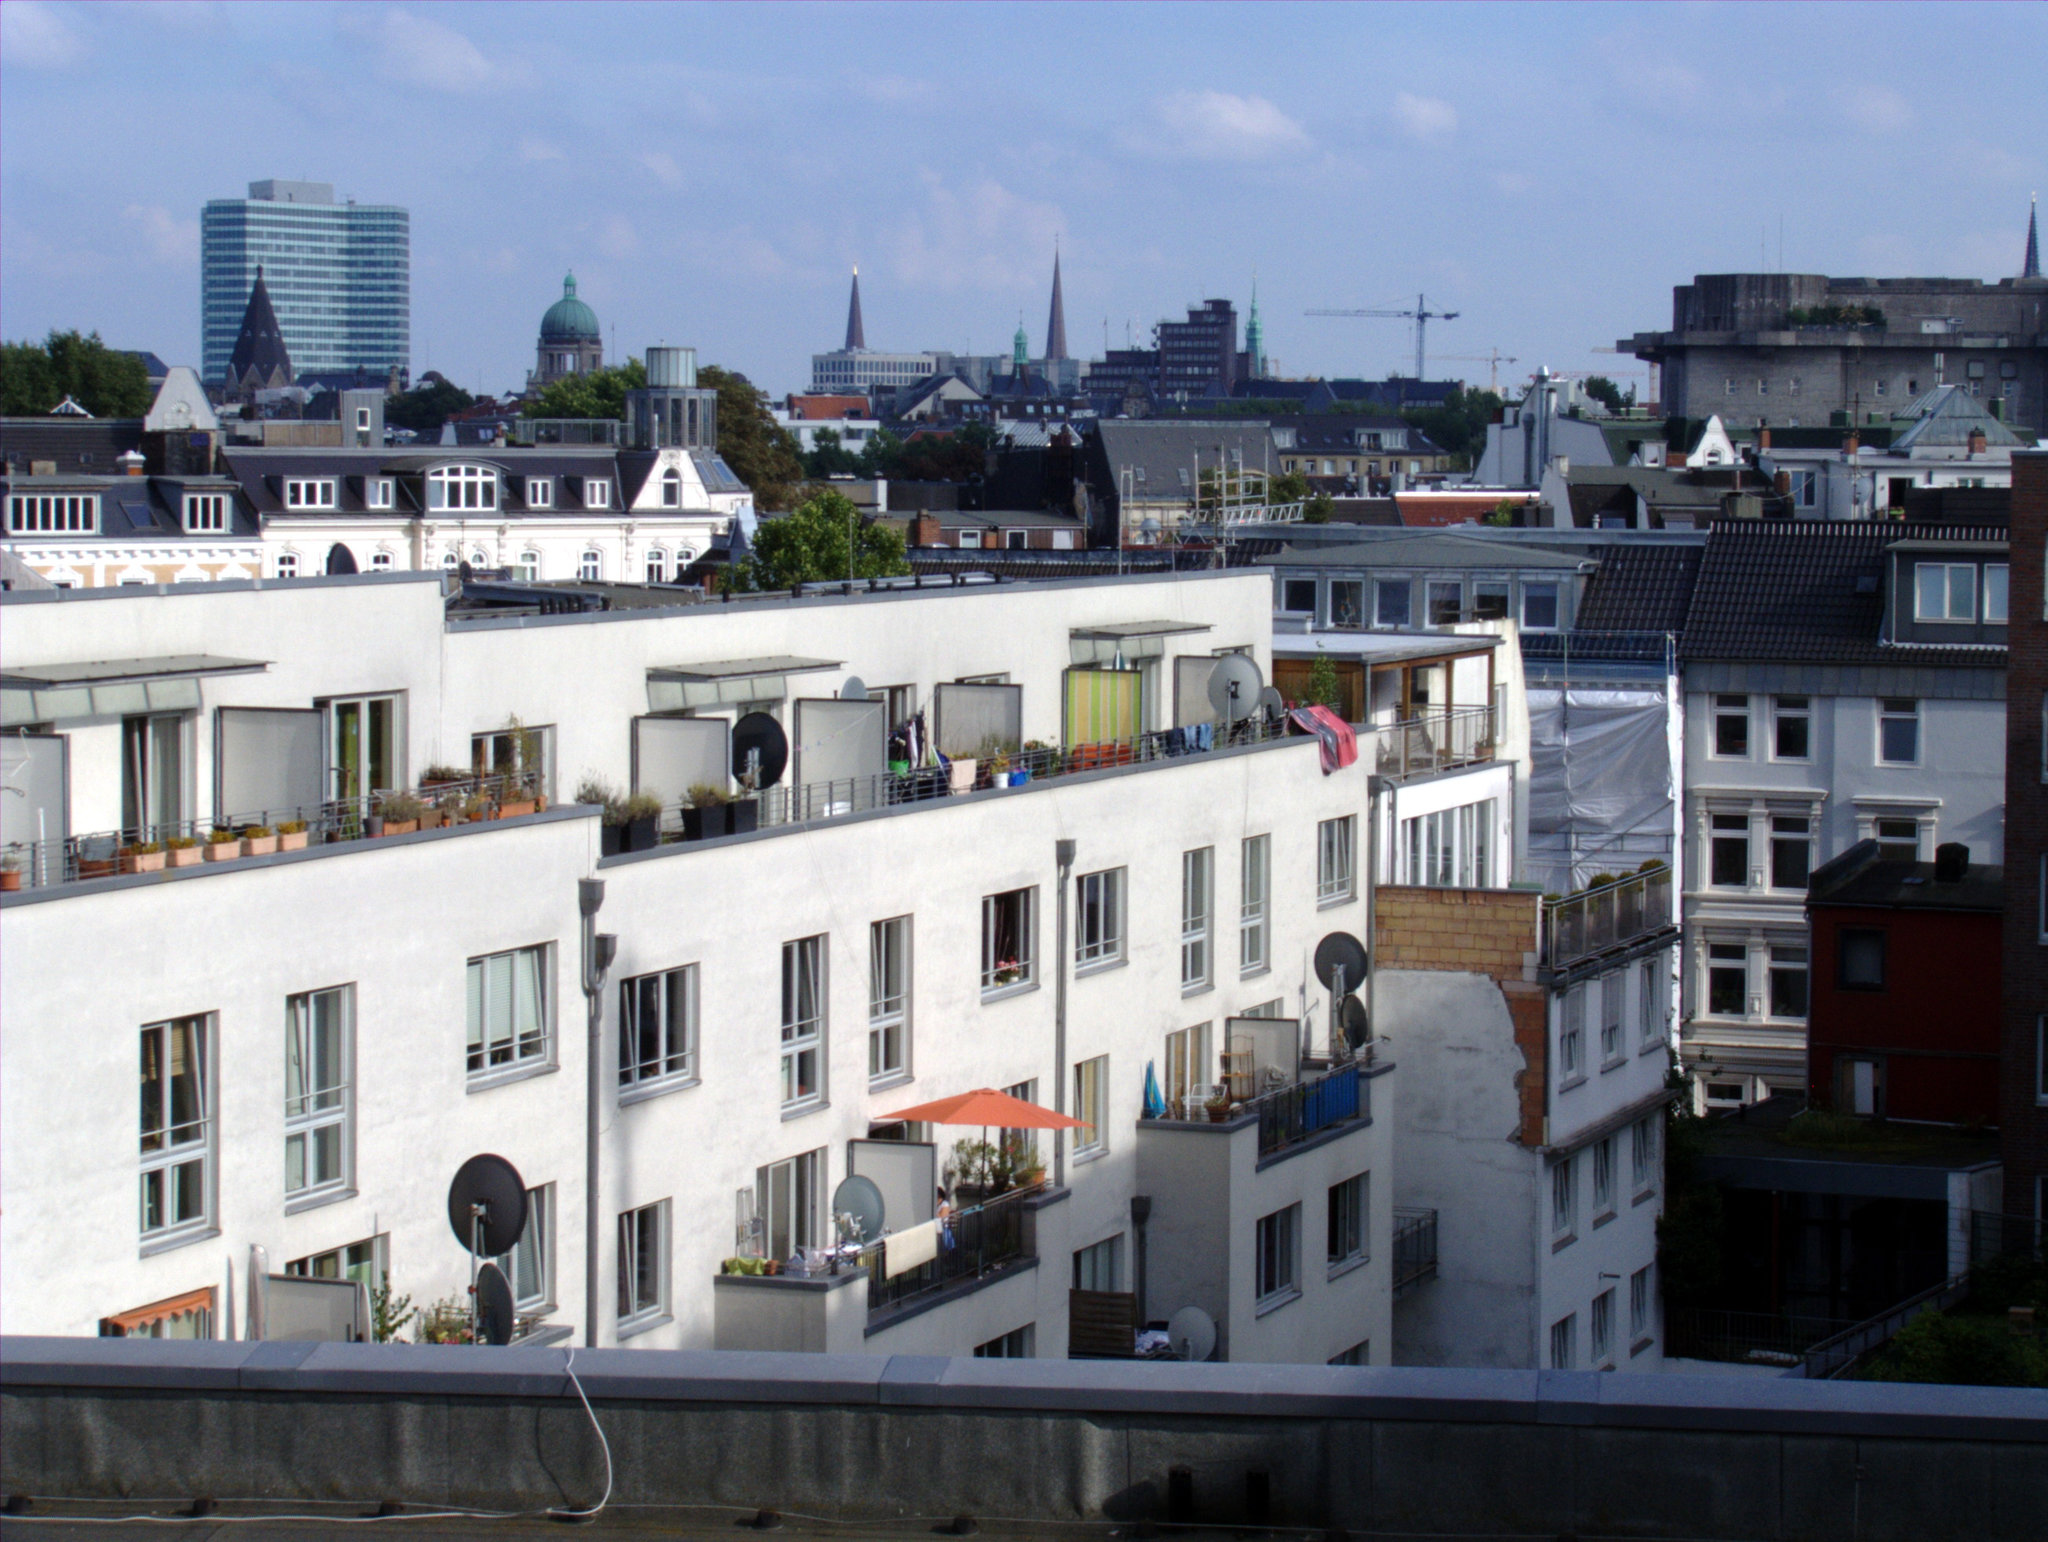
(1103, 644)
(727, 682)
(1116, 630)
(60, 693)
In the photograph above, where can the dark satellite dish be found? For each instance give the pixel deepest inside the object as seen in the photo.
(487, 1194)
(1340, 950)
(759, 745)
(495, 1319)
(855, 689)
(858, 1199)
(1351, 1017)
(1234, 686)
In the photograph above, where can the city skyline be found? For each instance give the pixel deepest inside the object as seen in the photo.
(1548, 173)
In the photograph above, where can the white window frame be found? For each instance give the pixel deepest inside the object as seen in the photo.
(671, 488)
(1721, 827)
(1382, 591)
(309, 493)
(642, 1230)
(1774, 966)
(1792, 840)
(1999, 613)
(1642, 1153)
(1099, 930)
(805, 1006)
(1348, 1223)
(1336, 860)
(529, 567)
(1640, 1330)
(1613, 987)
(1603, 1177)
(597, 492)
(1956, 608)
(1255, 905)
(1730, 705)
(655, 565)
(1786, 710)
(1571, 1037)
(1276, 1257)
(172, 1147)
(1197, 918)
(1091, 1107)
(665, 1058)
(312, 1111)
(53, 513)
(206, 513)
(1564, 1199)
(1600, 1335)
(1893, 709)
(1710, 964)
(590, 566)
(1555, 594)
(530, 1267)
(494, 1050)
(1099, 1266)
(1651, 1024)
(380, 562)
(1024, 966)
(540, 492)
(379, 493)
(462, 489)
(792, 1192)
(889, 965)
(1188, 1060)
(287, 564)
(1564, 1342)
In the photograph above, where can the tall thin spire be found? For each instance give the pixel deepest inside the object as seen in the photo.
(1056, 324)
(856, 336)
(1255, 335)
(2031, 268)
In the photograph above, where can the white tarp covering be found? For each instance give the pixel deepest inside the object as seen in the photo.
(1601, 787)
(673, 754)
(906, 1172)
(966, 716)
(270, 760)
(32, 767)
(837, 740)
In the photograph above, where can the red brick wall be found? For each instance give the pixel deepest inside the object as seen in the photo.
(2023, 1123)
(1492, 932)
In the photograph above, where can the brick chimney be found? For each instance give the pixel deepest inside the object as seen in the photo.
(1763, 436)
(1782, 484)
(1852, 444)
(1978, 442)
(925, 530)
(130, 462)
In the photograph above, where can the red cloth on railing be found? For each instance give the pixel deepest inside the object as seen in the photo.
(1339, 743)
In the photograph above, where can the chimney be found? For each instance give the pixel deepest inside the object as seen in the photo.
(1851, 444)
(130, 463)
(1763, 436)
(1977, 441)
(925, 530)
(1951, 861)
(1782, 483)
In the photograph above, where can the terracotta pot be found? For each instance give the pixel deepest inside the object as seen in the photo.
(258, 845)
(518, 810)
(221, 851)
(10, 880)
(400, 826)
(142, 861)
(292, 840)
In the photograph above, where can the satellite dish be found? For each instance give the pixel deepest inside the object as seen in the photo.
(1192, 1332)
(855, 689)
(759, 745)
(495, 1319)
(858, 1199)
(1351, 1018)
(1340, 950)
(1234, 686)
(1271, 699)
(487, 1190)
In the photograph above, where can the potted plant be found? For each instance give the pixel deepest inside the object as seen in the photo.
(446, 810)
(999, 770)
(1219, 1107)
(743, 813)
(291, 835)
(475, 807)
(258, 841)
(642, 818)
(10, 870)
(398, 813)
(222, 845)
(143, 857)
(596, 791)
(182, 851)
(705, 813)
(441, 776)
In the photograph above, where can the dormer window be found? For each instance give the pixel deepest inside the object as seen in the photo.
(378, 494)
(540, 492)
(462, 487)
(206, 513)
(671, 489)
(75, 513)
(1995, 574)
(597, 492)
(306, 493)
(1944, 591)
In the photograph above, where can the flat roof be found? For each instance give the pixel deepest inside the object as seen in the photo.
(1383, 648)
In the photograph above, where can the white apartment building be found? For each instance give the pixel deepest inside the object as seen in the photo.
(363, 1014)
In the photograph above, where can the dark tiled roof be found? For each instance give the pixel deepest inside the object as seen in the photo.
(78, 446)
(1639, 587)
(1809, 592)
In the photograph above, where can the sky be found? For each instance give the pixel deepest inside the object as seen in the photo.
(713, 172)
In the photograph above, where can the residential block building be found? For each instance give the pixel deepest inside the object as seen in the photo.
(2023, 1087)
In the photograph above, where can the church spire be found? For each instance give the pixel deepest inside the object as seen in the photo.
(856, 335)
(1056, 324)
(1255, 335)
(2031, 268)
(260, 360)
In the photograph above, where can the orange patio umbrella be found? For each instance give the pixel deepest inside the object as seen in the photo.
(987, 1107)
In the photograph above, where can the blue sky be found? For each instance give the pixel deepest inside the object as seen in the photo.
(711, 172)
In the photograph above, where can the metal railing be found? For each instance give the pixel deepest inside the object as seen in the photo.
(1414, 1248)
(2006, 1236)
(1836, 1354)
(978, 1240)
(1705, 1333)
(1433, 742)
(1290, 1115)
(1595, 920)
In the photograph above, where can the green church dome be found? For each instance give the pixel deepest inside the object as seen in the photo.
(569, 320)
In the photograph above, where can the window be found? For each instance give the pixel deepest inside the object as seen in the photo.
(1727, 979)
(462, 487)
(671, 489)
(1346, 602)
(597, 492)
(1804, 486)
(2041, 1059)
(1731, 727)
(1449, 848)
(1791, 728)
(1564, 1340)
(1490, 600)
(1539, 607)
(530, 1266)
(1650, 1003)
(1898, 731)
(1859, 1085)
(1358, 1354)
(1091, 1098)
(1007, 928)
(1730, 855)
(378, 493)
(1603, 1176)
(803, 1021)
(309, 493)
(1188, 1065)
(1017, 1344)
(1861, 952)
(36, 513)
(515, 752)
(657, 566)
(590, 567)
(643, 1266)
(380, 562)
(1563, 1198)
(1788, 981)
(1099, 918)
(1642, 1153)
(1391, 602)
(529, 567)
(1096, 1266)
(1639, 1309)
(540, 492)
(177, 1128)
(889, 998)
(1996, 577)
(287, 564)
(1601, 1328)
(318, 1066)
(450, 559)
(1336, 874)
(1791, 851)
(1278, 1256)
(788, 1199)
(1197, 892)
(363, 1262)
(1298, 596)
(658, 1028)
(206, 512)
(1944, 591)
(508, 1010)
(1571, 1035)
(1898, 840)
(1612, 988)
(1346, 1238)
(1446, 603)
(1763, 385)
(1255, 888)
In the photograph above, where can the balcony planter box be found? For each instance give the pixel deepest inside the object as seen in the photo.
(10, 880)
(611, 840)
(742, 815)
(643, 834)
(396, 826)
(184, 856)
(960, 776)
(221, 851)
(291, 840)
(519, 808)
(142, 861)
(258, 845)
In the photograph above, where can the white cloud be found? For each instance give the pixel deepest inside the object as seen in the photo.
(1217, 126)
(38, 36)
(986, 237)
(1424, 117)
(415, 51)
(532, 148)
(663, 167)
(1874, 108)
(170, 238)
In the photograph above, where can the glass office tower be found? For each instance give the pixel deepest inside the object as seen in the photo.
(339, 276)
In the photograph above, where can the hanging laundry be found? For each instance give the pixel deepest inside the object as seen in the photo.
(1339, 744)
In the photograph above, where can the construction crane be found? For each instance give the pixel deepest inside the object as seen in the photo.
(1421, 315)
(1493, 361)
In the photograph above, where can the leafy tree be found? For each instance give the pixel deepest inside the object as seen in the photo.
(1288, 487)
(828, 457)
(427, 405)
(1606, 393)
(599, 394)
(761, 452)
(1323, 689)
(34, 377)
(809, 544)
(1318, 509)
(956, 456)
(1458, 427)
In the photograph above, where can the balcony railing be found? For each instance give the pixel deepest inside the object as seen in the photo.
(1414, 1249)
(1595, 920)
(1290, 1115)
(985, 1238)
(1433, 742)
(1756, 1338)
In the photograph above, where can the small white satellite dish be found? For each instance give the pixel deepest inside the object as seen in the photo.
(1192, 1332)
(1234, 687)
(855, 689)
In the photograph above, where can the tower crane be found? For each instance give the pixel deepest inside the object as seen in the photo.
(1421, 315)
(1493, 361)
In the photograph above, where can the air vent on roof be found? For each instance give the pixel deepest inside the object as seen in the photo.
(1866, 583)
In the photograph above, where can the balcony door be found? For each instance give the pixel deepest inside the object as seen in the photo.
(153, 775)
(364, 752)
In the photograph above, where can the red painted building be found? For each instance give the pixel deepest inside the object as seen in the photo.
(1904, 1014)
